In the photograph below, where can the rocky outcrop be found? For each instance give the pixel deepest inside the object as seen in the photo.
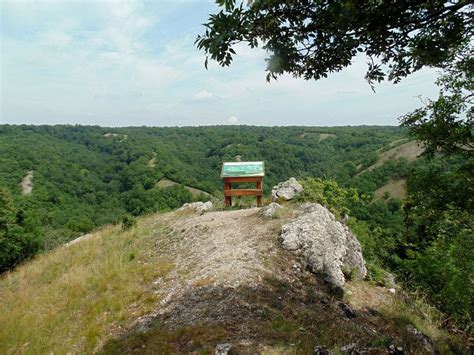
(79, 239)
(286, 190)
(325, 244)
(199, 207)
(270, 210)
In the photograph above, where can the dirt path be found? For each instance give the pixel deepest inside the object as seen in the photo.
(27, 183)
(220, 250)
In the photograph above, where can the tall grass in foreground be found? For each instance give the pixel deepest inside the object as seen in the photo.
(72, 298)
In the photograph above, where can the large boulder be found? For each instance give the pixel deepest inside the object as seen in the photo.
(325, 244)
(199, 207)
(286, 190)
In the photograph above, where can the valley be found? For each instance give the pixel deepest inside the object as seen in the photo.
(98, 184)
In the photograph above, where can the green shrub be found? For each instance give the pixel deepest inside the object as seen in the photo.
(328, 193)
(17, 240)
(128, 222)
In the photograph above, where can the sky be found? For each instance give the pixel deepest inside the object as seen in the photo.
(134, 63)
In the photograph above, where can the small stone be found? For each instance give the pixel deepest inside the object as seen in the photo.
(222, 349)
(422, 338)
(324, 301)
(270, 210)
(348, 311)
(199, 207)
(392, 290)
(389, 279)
(349, 349)
(321, 350)
(373, 312)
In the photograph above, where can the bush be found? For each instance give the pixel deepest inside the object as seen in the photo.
(328, 193)
(128, 222)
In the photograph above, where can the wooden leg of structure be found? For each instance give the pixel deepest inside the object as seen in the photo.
(229, 192)
(259, 198)
(228, 199)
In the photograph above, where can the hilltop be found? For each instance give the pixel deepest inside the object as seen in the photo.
(181, 282)
(77, 180)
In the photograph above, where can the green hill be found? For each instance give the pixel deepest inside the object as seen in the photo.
(84, 177)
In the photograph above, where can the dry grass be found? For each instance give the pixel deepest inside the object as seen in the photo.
(400, 311)
(323, 136)
(409, 151)
(319, 136)
(73, 298)
(395, 188)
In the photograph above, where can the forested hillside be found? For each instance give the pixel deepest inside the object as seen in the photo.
(82, 177)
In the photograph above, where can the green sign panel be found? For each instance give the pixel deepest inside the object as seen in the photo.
(243, 169)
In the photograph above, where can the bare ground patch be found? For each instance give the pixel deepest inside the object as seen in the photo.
(395, 188)
(152, 161)
(319, 136)
(195, 192)
(410, 151)
(27, 183)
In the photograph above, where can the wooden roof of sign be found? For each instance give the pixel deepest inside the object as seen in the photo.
(243, 169)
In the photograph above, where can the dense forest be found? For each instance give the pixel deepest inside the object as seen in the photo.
(83, 177)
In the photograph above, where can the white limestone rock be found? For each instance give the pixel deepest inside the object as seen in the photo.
(286, 190)
(269, 211)
(325, 244)
(199, 207)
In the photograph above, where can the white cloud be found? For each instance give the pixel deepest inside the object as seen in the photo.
(232, 120)
(56, 39)
(126, 63)
(102, 62)
(203, 95)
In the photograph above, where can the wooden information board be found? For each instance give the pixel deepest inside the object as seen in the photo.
(242, 172)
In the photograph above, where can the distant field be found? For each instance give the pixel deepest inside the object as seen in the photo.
(396, 189)
(195, 192)
(410, 151)
(320, 136)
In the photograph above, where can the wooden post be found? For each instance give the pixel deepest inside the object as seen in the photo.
(228, 199)
(259, 197)
(229, 192)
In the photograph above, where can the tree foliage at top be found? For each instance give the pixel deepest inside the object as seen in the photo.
(311, 38)
(447, 123)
